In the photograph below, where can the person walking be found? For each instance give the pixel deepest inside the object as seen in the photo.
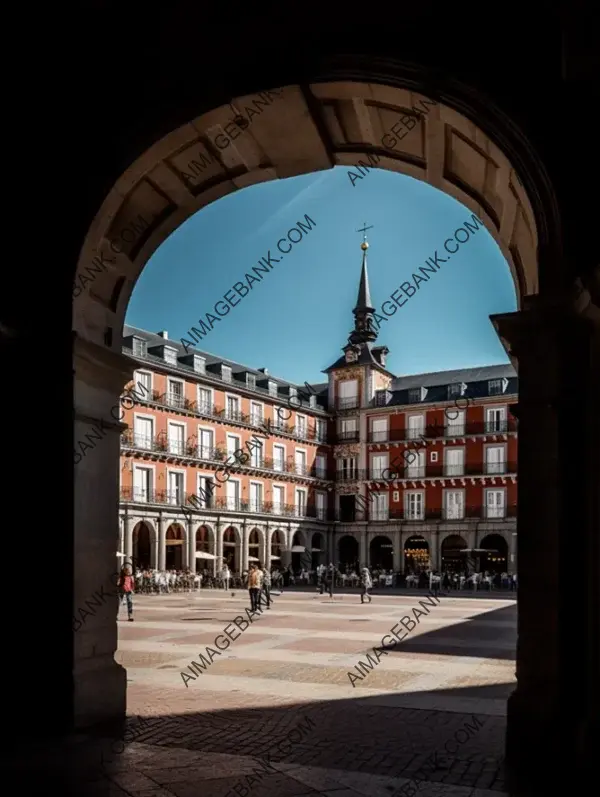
(366, 583)
(329, 576)
(266, 585)
(126, 589)
(254, 587)
(225, 576)
(435, 582)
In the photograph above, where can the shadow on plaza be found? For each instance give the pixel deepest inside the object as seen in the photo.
(488, 635)
(368, 735)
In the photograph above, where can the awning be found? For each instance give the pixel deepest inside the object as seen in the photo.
(253, 559)
(298, 549)
(275, 557)
(204, 555)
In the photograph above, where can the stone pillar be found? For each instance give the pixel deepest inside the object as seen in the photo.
(397, 541)
(219, 531)
(162, 542)
(265, 549)
(98, 682)
(550, 714)
(434, 550)
(154, 547)
(512, 556)
(128, 549)
(245, 553)
(191, 545)
(363, 549)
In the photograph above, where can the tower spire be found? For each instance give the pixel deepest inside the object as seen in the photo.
(363, 312)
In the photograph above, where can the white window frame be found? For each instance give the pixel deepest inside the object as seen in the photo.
(297, 424)
(145, 417)
(433, 456)
(408, 514)
(378, 497)
(152, 469)
(238, 400)
(209, 409)
(305, 452)
(415, 434)
(169, 350)
(143, 344)
(321, 512)
(320, 472)
(486, 507)
(199, 364)
(226, 373)
(257, 453)
(273, 388)
(238, 446)
(454, 471)
(412, 391)
(184, 491)
(206, 477)
(493, 382)
(179, 424)
(261, 406)
(499, 471)
(281, 490)
(239, 493)
(170, 381)
(320, 423)
(297, 491)
(445, 495)
(378, 474)
(205, 429)
(416, 468)
(284, 459)
(137, 379)
(455, 426)
(262, 499)
(379, 436)
(503, 421)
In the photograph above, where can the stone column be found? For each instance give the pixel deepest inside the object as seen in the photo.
(512, 558)
(550, 713)
(98, 682)
(434, 550)
(191, 544)
(397, 541)
(266, 551)
(244, 553)
(363, 549)
(162, 542)
(219, 531)
(128, 549)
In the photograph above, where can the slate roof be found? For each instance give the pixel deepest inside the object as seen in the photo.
(437, 383)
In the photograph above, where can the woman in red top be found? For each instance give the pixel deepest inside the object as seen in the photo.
(126, 588)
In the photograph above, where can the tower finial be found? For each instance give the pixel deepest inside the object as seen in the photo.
(364, 245)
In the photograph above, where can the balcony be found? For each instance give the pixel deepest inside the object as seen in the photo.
(349, 403)
(421, 515)
(347, 437)
(379, 437)
(449, 431)
(445, 471)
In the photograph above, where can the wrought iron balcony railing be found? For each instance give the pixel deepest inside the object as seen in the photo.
(448, 431)
(347, 403)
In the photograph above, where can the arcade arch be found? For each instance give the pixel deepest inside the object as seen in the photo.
(496, 558)
(318, 550)
(348, 553)
(453, 559)
(381, 553)
(417, 557)
(143, 534)
(175, 547)
(232, 548)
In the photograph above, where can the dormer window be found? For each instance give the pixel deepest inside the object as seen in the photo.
(454, 390)
(199, 364)
(139, 347)
(381, 398)
(226, 373)
(272, 388)
(294, 394)
(170, 356)
(414, 395)
(312, 402)
(495, 387)
(251, 381)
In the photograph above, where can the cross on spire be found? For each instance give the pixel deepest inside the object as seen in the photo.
(364, 230)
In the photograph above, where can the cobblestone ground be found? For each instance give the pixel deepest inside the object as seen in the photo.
(276, 713)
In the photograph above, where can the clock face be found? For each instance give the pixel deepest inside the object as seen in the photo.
(351, 356)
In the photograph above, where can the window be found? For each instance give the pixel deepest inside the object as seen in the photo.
(278, 499)
(233, 444)
(256, 497)
(347, 468)
(256, 455)
(495, 461)
(300, 461)
(301, 426)
(232, 495)
(381, 398)
(251, 381)
(320, 466)
(143, 378)
(454, 390)
(139, 347)
(454, 505)
(414, 506)
(379, 464)
(414, 395)
(174, 393)
(272, 388)
(232, 408)
(278, 458)
(321, 506)
(300, 503)
(415, 465)
(396, 496)
(205, 443)
(379, 506)
(495, 419)
(170, 356)
(348, 394)
(415, 427)
(294, 394)
(143, 432)
(256, 413)
(454, 462)
(312, 402)
(495, 504)
(206, 487)
(320, 429)
(175, 492)
(433, 456)
(205, 403)
(226, 373)
(348, 429)
(379, 430)
(176, 437)
(495, 387)
(199, 364)
(142, 484)
(455, 423)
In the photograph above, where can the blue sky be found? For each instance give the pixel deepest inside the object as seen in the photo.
(297, 319)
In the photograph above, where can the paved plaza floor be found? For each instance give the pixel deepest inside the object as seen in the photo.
(276, 713)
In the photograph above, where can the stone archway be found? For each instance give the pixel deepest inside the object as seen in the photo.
(205, 543)
(515, 201)
(496, 560)
(381, 553)
(232, 549)
(453, 560)
(348, 552)
(142, 544)
(417, 556)
(175, 547)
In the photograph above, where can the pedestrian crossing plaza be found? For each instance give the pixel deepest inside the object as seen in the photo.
(225, 702)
